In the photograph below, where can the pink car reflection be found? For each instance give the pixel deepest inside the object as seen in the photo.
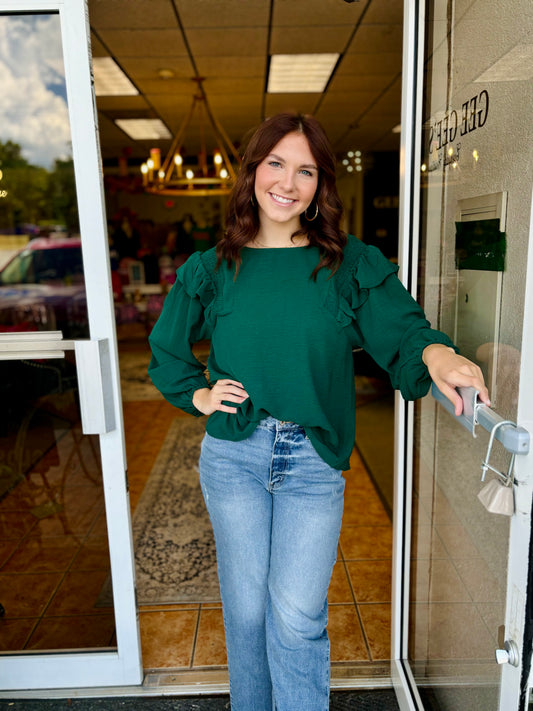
(42, 289)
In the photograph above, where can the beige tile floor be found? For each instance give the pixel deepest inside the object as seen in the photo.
(192, 636)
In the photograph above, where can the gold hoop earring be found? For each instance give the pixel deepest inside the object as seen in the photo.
(310, 219)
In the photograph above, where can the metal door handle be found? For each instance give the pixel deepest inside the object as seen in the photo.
(509, 654)
(93, 366)
(515, 439)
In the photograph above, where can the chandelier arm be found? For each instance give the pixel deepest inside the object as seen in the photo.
(218, 127)
(176, 143)
(225, 156)
(203, 152)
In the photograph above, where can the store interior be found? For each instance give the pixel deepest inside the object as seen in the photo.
(200, 71)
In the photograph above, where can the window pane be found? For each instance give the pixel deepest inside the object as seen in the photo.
(41, 268)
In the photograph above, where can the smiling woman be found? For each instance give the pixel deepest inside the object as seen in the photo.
(284, 298)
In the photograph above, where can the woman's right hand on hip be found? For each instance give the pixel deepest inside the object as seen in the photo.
(209, 400)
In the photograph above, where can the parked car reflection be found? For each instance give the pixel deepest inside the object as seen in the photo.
(42, 288)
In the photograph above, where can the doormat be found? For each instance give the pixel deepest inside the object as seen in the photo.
(375, 700)
(175, 557)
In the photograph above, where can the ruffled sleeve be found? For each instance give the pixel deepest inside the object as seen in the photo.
(393, 327)
(174, 370)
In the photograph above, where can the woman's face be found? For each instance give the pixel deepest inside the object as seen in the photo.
(286, 182)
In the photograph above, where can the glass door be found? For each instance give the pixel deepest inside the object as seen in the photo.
(460, 633)
(64, 514)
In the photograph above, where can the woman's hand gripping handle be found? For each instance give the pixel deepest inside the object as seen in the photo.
(449, 370)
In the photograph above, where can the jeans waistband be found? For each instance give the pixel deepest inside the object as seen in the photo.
(270, 423)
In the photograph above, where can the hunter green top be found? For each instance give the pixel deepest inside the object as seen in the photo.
(288, 339)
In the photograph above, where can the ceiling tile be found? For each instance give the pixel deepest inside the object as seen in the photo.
(118, 103)
(241, 42)
(308, 40)
(230, 13)
(225, 66)
(115, 142)
(294, 13)
(303, 103)
(108, 130)
(148, 67)
(385, 12)
(173, 116)
(144, 43)
(131, 13)
(354, 102)
(372, 38)
(181, 103)
(373, 63)
(235, 104)
(344, 82)
(231, 86)
(97, 48)
(167, 86)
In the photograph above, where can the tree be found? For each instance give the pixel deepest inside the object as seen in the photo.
(62, 191)
(31, 194)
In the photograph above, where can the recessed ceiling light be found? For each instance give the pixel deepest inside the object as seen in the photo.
(516, 65)
(165, 73)
(144, 129)
(110, 80)
(300, 73)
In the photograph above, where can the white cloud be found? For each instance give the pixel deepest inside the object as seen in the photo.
(33, 109)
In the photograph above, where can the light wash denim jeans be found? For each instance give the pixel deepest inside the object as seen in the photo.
(276, 510)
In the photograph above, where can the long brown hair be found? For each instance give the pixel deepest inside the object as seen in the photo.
(242, 217)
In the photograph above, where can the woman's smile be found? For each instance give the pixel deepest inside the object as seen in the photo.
(282, 200)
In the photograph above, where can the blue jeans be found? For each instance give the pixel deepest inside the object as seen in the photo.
(276, 510)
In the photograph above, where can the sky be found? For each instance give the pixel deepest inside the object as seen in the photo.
(33, 106)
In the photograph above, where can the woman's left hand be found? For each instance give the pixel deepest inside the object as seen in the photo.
(449, 370)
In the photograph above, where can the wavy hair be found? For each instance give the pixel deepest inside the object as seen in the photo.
(242, 217)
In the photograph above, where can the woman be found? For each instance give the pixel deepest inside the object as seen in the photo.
(284, 298)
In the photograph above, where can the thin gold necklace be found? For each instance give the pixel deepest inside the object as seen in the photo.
(268, 246)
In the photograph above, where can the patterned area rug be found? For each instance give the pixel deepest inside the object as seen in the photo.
(175, 556)
(134, 380)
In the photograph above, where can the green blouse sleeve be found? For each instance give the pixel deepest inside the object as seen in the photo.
(394, 328)
(174, 370)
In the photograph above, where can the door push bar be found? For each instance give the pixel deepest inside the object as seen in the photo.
(515, 439)
(93, 369)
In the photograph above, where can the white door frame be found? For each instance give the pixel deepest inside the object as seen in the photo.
(410, 141)
(123, 666)
(519, 572)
